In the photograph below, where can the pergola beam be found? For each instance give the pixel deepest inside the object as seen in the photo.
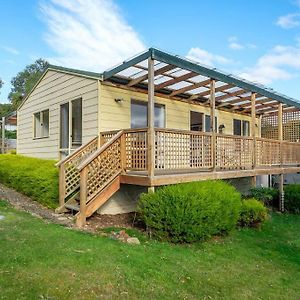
(156, 72)
(232, 94)
(206, 93)
(190, 87)
(175, 80)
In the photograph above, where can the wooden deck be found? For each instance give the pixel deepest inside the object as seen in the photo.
(182, 156)
(97, 169)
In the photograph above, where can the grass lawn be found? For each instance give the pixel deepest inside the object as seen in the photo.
(47, 261)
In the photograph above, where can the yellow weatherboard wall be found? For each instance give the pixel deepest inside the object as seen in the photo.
(116, 115)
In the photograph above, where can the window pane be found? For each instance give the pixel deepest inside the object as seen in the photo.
(45, 124)
(237, 130)
(37, 125)
(139, 115)
(246, 128)
(64, 126)
(207, 123)
(76, 123)
(159, 116)
(196, 121)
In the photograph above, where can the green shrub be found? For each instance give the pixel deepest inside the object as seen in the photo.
(253, 213)
(12, 151)
(36, 178)
(292, 198)
(269, 196)
(191, 211)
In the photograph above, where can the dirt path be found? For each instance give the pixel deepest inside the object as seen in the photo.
(96, 222)
(21, 202)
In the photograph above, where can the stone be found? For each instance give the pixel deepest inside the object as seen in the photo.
(133, 240)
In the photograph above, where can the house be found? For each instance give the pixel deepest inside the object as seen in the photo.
(154, 120)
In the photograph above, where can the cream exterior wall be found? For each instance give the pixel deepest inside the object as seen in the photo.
(116, 115)
(54, 89)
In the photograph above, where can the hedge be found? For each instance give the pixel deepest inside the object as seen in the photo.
(253, 213)
(36, 178)
(190, 212)
(292, 198)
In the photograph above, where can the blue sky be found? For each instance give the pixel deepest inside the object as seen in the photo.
(257, 40)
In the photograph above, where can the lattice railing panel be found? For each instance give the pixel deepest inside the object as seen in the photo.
(290, 126)
(103, 168)
(136, 150)
(182, 150)
(71, 174)
(107, 135)
(267, 152)
(290, 153)
(234, 152)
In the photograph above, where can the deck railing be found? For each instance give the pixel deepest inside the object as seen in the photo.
(177, 150)
(174, 151)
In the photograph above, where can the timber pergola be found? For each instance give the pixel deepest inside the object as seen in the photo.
(181, 79)
(158, 73)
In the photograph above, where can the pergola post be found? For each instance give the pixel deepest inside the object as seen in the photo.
(212, 101)
(253, 129)
(151, 133)
(280, 138)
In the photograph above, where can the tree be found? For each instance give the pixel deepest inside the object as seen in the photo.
(5, 109)
(1, 83)
(25, 81)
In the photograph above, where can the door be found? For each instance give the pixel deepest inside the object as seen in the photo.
(70, 126)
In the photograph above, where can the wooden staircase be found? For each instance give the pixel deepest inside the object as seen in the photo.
(91, 175)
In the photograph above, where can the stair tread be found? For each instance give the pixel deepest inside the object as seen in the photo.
(72, 206)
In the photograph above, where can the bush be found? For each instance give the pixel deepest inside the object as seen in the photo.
(191, 211)
(269, 196)
(36, 178)
(292, 198)
(253, 213)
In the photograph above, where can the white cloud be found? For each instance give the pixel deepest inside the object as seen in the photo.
(88, 34)
(234, 44)
(281, 63)
(207, 58)
(10, 50)
(289, 21)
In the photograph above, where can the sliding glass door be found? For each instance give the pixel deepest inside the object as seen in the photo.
(70, 126)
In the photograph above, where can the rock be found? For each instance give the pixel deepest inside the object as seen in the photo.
(133, 240)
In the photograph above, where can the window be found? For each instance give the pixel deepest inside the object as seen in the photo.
(139, 114)
(241, 127)
(246, 128)
(207, 123)
(41, 124)
(237, 127)
(196, 121)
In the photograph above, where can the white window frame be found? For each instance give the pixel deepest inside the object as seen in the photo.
(39, 131)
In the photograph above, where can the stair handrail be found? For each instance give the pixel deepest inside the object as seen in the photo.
(88, 160)
(75, 152)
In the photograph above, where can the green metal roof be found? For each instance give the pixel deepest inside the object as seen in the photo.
(75, 71)
(201, 70)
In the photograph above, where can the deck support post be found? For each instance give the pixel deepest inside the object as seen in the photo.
(3, 135)
(281, 193)
(81, 218)
(253, 128)
(280, 138)
(253, 135)
(62, 185)
(151, 133)
(212, 101)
